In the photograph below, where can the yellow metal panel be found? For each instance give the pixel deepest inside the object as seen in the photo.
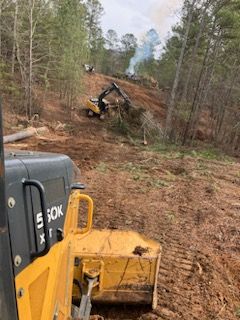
(54, 290)
(130, 264)
(44, 296)
(115, 243)
(93, 107)
(37, 292)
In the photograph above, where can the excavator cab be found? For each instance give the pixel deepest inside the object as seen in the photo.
(50, 267)
(100, 106)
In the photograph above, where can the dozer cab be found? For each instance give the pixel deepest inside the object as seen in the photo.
(100, 106)
(51, 268)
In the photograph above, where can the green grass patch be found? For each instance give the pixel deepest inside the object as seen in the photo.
(178, 152)
(120, 126)
(134, 168)
(102, 167)
(163, 148)
(237, 312)
(169, 176)
(140, 173)
(211, 154)
(157, 183)
(171, 217)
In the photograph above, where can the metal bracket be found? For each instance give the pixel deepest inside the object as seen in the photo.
(86, 305)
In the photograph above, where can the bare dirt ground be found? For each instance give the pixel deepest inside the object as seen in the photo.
(190, 204)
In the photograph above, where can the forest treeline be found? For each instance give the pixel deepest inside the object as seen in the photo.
(46, 42)
(201, 63)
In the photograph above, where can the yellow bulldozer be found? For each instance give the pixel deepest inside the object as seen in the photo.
(52, 265)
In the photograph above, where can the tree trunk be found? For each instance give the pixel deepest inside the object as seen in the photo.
(14, 36)
(24, 134)
(171, 107)
(223, 108)
(30, 75)
(0, 29)
(195, 49)
(204, 90)
(194, 106)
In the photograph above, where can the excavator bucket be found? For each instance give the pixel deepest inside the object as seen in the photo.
(124, 265)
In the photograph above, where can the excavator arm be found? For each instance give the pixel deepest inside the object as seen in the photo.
(106, 92)
(99, 106)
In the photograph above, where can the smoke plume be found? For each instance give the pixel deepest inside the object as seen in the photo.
(145, 51)
(165, 14)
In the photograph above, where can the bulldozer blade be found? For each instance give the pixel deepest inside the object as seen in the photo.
(126, 262)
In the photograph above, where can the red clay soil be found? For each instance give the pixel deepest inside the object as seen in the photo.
(190, 205)
(151, 99)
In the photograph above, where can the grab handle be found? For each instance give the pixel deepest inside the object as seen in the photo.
(39, 186)
(84, 197)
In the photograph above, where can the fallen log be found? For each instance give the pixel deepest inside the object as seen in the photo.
(29, 132)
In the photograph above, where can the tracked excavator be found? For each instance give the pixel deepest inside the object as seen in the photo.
(100, 106)
(52, 266)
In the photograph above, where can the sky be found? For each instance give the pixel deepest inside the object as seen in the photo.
(138, 16)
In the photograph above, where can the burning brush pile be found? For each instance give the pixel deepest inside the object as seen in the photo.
(146, 51)
(146, 81)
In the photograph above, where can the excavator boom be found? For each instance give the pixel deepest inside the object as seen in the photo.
(99, 105)
(120, 92)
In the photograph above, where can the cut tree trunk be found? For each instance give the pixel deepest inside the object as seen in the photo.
(29, 132)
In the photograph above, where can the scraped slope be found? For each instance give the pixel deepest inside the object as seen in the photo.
(150, 99)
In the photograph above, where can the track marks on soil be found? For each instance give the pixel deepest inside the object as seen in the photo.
(177, 267)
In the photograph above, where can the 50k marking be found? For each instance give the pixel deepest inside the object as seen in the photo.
(53, 214)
